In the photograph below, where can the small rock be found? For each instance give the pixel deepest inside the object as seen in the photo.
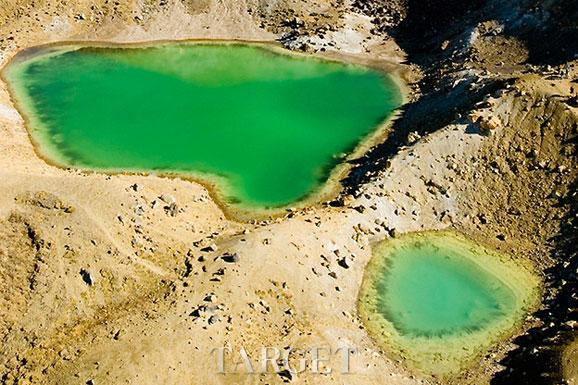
(172, 209)
(483, 219)
(196, 313)
(343, 263)
(139, 210)
(286, 375)
(230, 258)
(210, 297)
(210, 248)
(487, 124)
(168, 199)
(86, 277)
(413, 137)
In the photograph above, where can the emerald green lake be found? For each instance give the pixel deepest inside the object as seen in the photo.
(439, 301)
(427, 290)
(265, 128)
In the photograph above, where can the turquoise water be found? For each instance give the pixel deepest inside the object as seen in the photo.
(428, 290)
(438, 301)
(265, 128)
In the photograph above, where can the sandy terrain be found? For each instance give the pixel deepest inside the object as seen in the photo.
(120, 279)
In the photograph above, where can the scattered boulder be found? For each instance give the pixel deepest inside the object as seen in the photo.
(488, 124)
(285, 375)
(230, 258)
(168, 199)
(86, 277)
(171, 209)
(210, 248)
(413, 137)
(343, 263)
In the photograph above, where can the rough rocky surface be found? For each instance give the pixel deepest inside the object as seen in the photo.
(121, 279)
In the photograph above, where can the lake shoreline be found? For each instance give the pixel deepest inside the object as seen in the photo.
(327, 191)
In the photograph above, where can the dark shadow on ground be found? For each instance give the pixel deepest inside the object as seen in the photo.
(430, 113)
(473, 129)
(549, 29)
(537, 358)
(429, 22)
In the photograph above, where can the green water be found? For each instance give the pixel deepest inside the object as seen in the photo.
(267, 128)
(439, 301)
(431, 290)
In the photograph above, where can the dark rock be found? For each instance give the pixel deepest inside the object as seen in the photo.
(285, 375)
(230, 258)
(208, 249)
(86, 277)
(343, 263)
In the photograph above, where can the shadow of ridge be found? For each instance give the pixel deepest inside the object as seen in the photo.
(537, 358)
(424, 116)
(429, 22)
(549, 29)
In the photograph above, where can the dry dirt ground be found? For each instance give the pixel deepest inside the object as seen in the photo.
(115, 279)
